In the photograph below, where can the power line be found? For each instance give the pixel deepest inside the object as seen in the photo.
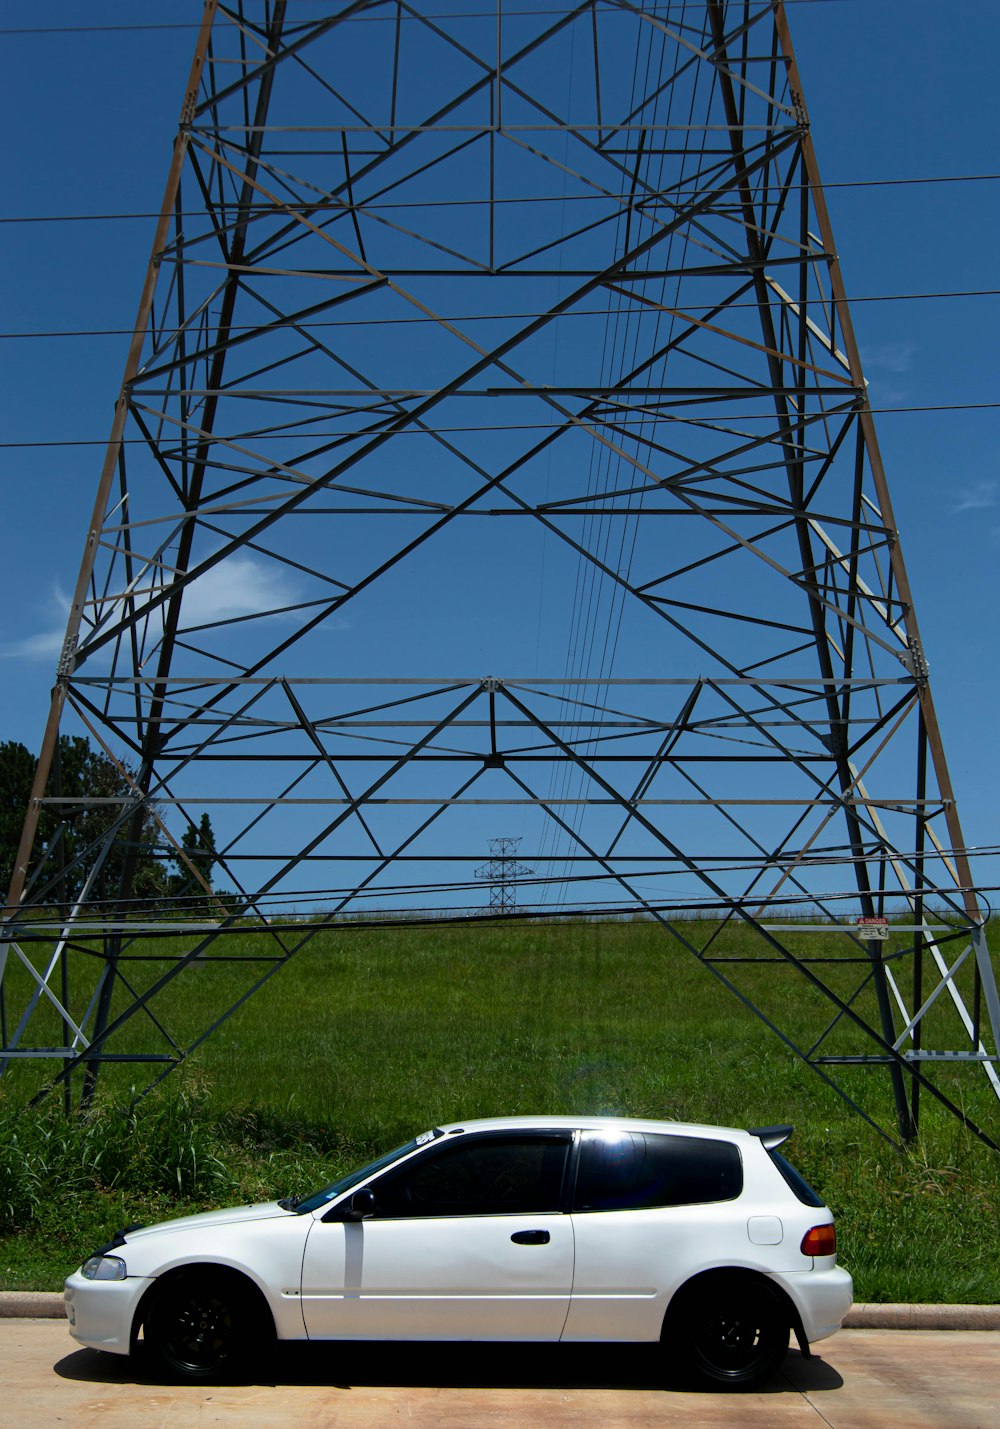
(495, 317)
(263, 210)
(96, 29)
(353, 20)
(518, 427)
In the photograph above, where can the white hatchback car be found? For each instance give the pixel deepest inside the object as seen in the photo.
(568, 1229)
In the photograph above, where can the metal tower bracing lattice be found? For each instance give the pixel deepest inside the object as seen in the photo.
(448, 300)
(502, 873)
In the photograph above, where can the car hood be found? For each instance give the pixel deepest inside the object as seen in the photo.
(206, 1220)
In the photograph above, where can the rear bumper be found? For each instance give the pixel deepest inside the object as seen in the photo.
(822, 1298)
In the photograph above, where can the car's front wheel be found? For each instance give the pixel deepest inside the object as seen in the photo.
(731, 1333)
(203, 1325)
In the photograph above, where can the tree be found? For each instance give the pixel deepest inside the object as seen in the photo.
(17, 769)
(199, 847)
(75, 835)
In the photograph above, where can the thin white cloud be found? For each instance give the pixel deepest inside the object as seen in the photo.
(44, 644)
(239, 585)
(889, 357)
(889, 396)
(978, 497)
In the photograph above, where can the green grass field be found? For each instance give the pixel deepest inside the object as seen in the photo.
(367, 1036)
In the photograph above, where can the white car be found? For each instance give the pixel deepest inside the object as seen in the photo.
(567, 1229)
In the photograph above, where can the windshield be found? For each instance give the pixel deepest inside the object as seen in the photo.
(354, 1178)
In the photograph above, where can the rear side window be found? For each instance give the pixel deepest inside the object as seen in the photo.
(795, 1181)
(634, 1170)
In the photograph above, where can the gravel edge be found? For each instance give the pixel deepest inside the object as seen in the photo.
(48, 1305)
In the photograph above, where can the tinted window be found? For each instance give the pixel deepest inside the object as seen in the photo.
(633, 1170)
(796, 1182)
(337, 1188)
(477, 1177)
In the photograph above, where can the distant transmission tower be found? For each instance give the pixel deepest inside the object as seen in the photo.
(502, 873)
(435, 298)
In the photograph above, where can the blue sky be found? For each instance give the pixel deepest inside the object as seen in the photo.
(893, 90)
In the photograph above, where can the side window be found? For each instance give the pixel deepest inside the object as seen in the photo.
(478, 1177)
(796, 1182)
(633, 1171)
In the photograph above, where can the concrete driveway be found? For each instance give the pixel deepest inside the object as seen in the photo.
(860, 1379)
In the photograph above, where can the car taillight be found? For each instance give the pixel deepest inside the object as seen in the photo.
(821, 1240)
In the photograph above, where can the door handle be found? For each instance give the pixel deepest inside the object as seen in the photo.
(530, 1237)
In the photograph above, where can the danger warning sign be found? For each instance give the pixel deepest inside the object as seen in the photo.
(874, 928)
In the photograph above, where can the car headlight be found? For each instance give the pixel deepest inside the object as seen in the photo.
(103, 1267)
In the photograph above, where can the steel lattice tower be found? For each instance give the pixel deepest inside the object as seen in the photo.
(541, 296)
(502, 872)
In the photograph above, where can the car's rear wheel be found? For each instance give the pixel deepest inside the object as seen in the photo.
(731, 1332)
(203, 1325)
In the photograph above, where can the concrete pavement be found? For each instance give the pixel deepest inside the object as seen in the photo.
(860, 1379)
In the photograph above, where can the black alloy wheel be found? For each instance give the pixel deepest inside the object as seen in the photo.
(200, 1327)
(734, 1335)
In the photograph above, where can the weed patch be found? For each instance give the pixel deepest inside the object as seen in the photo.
(368, 1037)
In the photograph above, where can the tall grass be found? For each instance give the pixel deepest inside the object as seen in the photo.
(165, 1149)
(368, 1036)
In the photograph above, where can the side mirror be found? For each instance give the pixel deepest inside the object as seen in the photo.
(360, 1206)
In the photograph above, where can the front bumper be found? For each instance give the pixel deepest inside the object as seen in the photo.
(101, 1312)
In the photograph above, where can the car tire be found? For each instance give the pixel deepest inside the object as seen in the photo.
(203, 1325)
(731, 1333)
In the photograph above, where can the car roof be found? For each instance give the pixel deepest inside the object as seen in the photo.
(593, 1123)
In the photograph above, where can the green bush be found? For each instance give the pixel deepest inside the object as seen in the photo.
(162, 1147)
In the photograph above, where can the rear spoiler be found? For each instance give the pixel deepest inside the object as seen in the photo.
(772, 1136)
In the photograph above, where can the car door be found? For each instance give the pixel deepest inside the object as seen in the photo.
(648, 1211)
(467, 1241)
